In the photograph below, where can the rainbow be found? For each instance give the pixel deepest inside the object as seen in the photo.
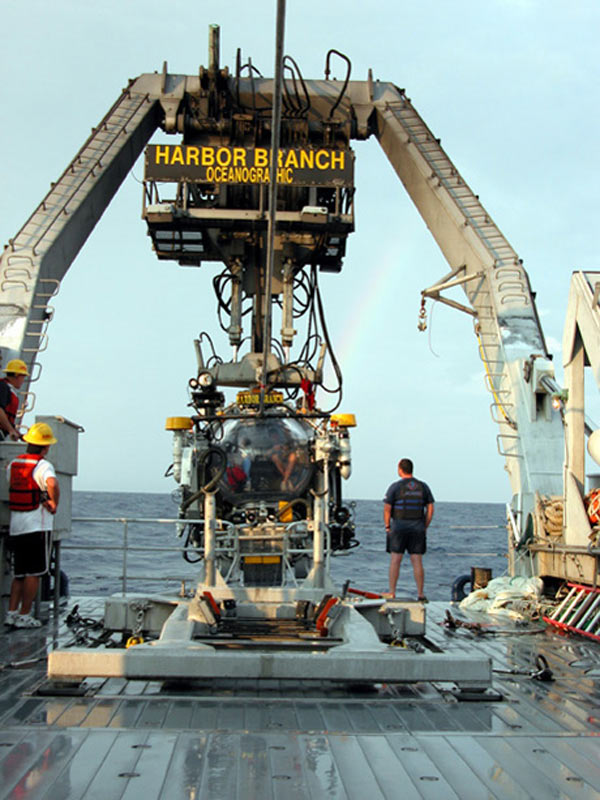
(370, 305)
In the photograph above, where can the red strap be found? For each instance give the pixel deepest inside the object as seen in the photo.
(309, 393)
(369, 595)
(321, 619)
(213, 603)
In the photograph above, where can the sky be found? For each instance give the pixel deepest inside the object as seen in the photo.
(510, 86)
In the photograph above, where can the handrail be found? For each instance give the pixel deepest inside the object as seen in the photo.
(126, 548)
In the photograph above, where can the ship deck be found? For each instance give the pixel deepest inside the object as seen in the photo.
(115, 738)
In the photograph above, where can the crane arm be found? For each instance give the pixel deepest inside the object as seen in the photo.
(35, 260)
(510, 338)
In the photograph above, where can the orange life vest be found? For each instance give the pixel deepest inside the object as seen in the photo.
(592, 504)
(12, 406)
(24, 493)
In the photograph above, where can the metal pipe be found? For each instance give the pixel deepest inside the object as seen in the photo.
(235, 325)
(275, 137)
(56, 607)
(213, 48)
(161, 520)
(320, 521)
(438, 287)
(224, 549)
(125, 556)
(37, 603)
(210, 509)
(287, 314)
(134, 549)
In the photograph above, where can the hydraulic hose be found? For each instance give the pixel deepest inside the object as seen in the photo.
(298, 501)
(210, 486)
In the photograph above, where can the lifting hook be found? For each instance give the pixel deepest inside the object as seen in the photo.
(422, 323)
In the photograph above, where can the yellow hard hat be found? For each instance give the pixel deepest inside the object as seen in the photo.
(16, 366)
(40, 433)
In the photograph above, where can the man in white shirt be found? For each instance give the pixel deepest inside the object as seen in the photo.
(33, 500)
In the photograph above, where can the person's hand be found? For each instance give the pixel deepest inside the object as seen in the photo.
(50, 506)
(14, 435)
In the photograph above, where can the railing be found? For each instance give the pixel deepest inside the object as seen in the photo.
(231, 549)
(127, 548)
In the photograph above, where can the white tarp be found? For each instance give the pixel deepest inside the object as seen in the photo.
(516, 597)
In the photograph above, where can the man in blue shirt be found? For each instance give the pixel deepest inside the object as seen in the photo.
(407, 512)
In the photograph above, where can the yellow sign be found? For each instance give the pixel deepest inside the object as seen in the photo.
(219, 164)
(253, 398)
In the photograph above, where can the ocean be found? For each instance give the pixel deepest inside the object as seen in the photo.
(461, 536)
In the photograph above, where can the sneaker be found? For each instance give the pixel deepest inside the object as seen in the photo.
(26, 621)
(9, 619)
(422, 599)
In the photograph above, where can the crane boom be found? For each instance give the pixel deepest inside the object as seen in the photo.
(519, 371)
(36, 259)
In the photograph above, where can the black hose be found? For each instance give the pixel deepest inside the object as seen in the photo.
(271, 376)
(336, 366)
(346, 80)
(186, 554)
(210, 486)
(301, 107)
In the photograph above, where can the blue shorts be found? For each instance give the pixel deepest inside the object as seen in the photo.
(412, 541)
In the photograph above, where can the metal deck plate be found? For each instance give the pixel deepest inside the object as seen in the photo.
(161, 765)
(291, 739)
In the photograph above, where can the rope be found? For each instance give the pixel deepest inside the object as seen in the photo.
(550, 512)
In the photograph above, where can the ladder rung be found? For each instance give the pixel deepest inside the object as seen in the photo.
(593, 624)
(583, 602)
(570, 610)
(588, 620)
(555, 614)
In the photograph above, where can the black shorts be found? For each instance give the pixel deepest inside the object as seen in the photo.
(31, 553)
(412, 541)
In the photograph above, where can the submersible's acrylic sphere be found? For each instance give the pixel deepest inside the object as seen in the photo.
(267, 459)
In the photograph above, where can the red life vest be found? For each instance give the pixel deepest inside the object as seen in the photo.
(24, 493)
(12, 406)
(236, 478)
